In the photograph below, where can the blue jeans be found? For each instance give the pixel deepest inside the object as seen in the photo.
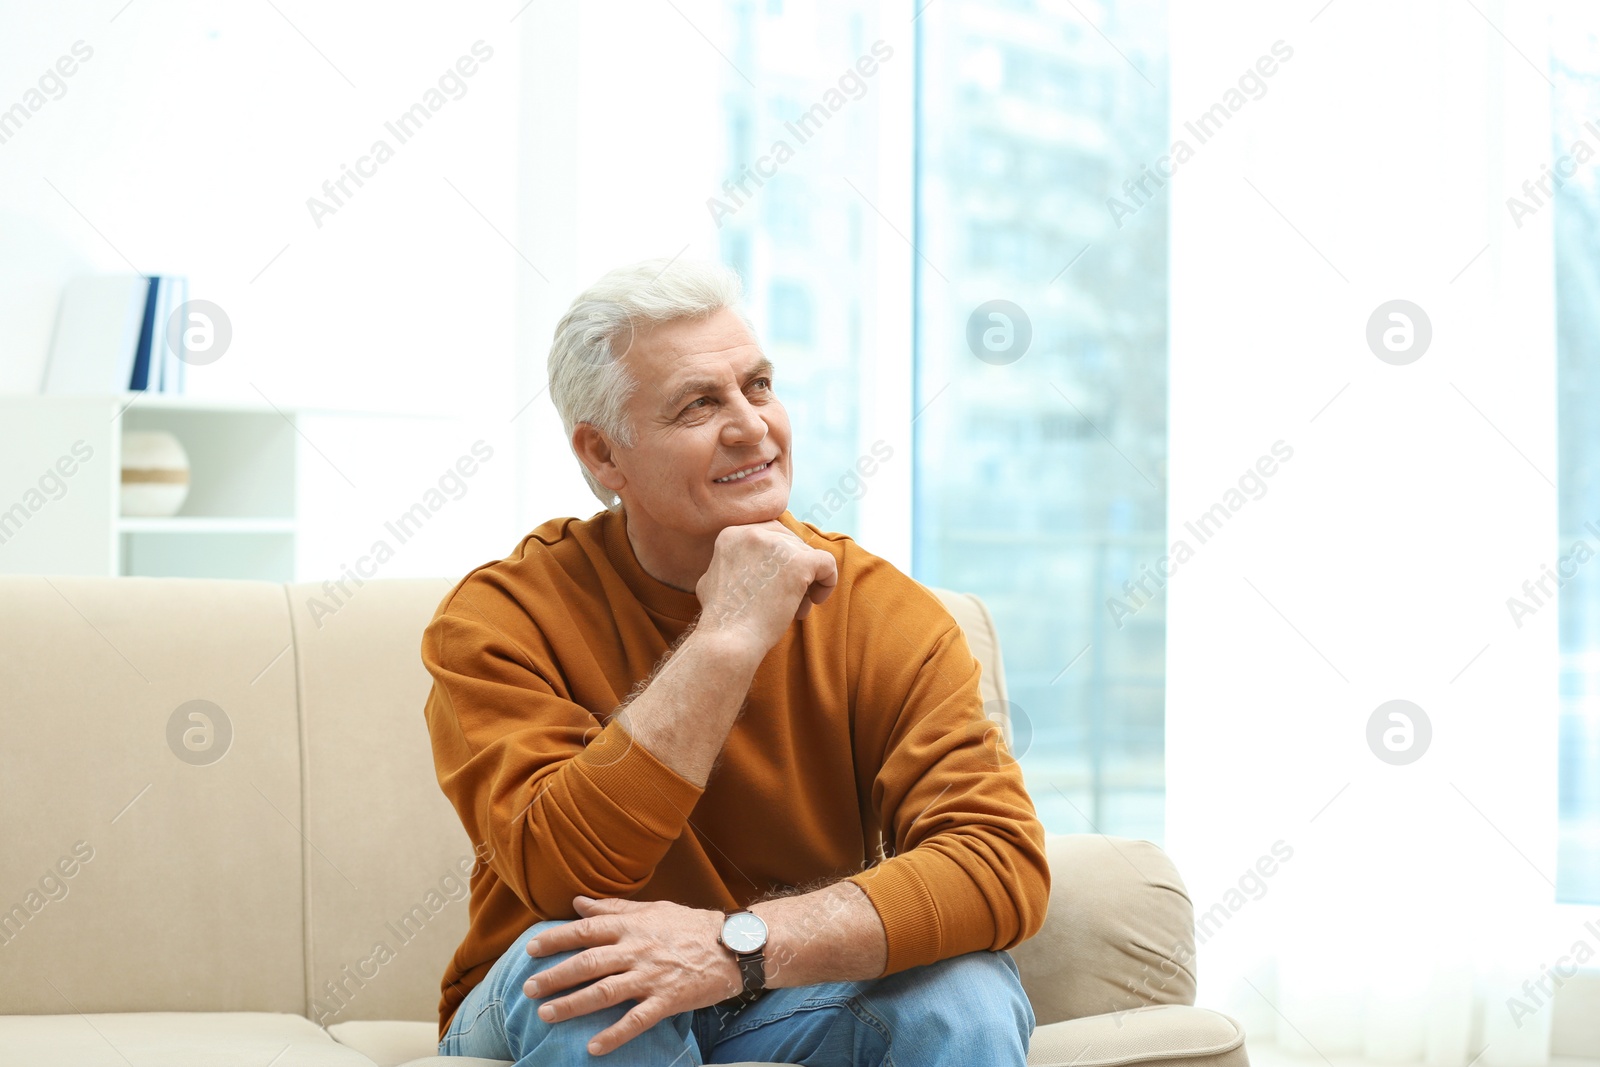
(966, 1011)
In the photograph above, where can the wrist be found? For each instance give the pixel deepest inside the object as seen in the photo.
(724, 651)
(727, 966)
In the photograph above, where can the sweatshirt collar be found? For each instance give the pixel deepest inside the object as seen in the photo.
(658, 596)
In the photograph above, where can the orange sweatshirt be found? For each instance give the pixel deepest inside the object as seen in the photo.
(862, 752)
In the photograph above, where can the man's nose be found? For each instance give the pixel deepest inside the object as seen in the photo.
(745, 424)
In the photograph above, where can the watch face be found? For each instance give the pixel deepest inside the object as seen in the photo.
(744, 932)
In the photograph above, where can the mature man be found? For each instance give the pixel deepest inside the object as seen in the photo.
(731, 774)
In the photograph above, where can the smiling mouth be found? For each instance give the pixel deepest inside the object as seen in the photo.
(741, 475)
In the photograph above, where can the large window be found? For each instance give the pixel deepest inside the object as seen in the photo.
(1040, 479)
(1576, 67)
(1041, 377)
(801, 122)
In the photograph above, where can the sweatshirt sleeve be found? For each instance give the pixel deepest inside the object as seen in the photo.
(563, 802)
(966, 867)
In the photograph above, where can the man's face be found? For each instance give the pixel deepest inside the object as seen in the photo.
(704, 408)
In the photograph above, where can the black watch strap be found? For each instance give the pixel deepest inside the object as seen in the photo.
(751, 973)
(753, 979)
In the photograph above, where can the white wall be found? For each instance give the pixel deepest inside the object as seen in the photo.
(192, 139)
(190, 143)
(618, 171)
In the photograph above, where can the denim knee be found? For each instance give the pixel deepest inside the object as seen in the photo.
(477, 1028)
(525, 1031)
(519, 967)
(975, 1001)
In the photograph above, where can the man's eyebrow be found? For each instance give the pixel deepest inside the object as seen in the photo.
(762, 369)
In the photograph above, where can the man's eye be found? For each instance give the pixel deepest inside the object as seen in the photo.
(763, 383)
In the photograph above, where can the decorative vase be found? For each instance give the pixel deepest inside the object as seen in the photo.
(155, 474)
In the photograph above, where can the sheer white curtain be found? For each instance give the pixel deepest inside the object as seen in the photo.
(1349, 905)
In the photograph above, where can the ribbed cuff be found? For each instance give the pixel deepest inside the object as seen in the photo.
(907, 909)
(640, 786)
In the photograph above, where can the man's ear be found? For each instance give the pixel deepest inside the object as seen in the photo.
(595, 452)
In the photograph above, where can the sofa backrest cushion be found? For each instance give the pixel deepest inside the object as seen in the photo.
(152, 848)
(388, 862)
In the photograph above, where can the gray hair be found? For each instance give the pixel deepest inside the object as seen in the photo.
(588, 382)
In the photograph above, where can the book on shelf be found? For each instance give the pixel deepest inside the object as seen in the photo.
(111, 335)
(173, 293)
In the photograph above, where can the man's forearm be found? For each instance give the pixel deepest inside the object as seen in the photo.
(683, 715)
(831, 935)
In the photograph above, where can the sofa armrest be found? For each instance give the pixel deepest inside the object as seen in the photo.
(1119, 933)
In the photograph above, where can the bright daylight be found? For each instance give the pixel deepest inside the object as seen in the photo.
(848, 534)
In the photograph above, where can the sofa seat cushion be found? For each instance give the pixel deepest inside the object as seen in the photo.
(1170, 1034)
(391, 1042)
(171, 1039)
(402, 1044)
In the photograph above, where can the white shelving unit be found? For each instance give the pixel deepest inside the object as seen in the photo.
(60, 488)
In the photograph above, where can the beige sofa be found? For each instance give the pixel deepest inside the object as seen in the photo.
(293, 902)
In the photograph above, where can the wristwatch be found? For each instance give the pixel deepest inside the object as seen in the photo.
(745, 935)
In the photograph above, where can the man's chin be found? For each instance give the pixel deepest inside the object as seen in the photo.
(751, 512)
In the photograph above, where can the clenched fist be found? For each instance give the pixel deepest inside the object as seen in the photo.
(762, 577)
